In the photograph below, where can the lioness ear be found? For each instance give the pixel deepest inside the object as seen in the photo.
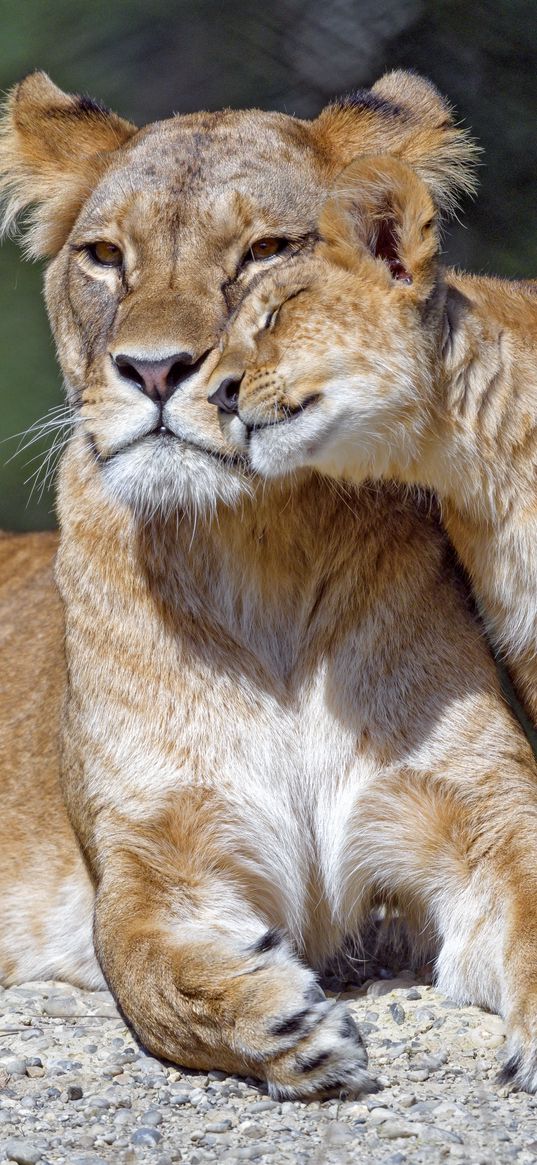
(53, 148)
(381, 206)
(405, 116)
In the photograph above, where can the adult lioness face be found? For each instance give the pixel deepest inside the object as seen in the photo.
(156, 235)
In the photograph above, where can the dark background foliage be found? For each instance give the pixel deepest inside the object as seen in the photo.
(147, 60)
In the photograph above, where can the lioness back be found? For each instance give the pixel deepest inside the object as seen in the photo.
(47, 898)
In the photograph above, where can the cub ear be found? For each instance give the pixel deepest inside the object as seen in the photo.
(380, 204)
(54, 146)
(405, 116)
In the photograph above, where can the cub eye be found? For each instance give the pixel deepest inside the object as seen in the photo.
(269, 320)
(106, 254)
(266, 248)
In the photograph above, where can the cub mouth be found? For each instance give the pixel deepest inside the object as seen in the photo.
(288, 414)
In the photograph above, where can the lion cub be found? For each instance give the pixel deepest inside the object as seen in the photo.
(366, 359)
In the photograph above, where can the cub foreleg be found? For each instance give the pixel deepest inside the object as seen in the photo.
(463, 853)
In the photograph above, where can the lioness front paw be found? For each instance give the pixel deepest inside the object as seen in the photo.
(255, 1010)
(327, 1059)
(310, 1046)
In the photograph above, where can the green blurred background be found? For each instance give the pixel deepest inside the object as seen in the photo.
(148, 60)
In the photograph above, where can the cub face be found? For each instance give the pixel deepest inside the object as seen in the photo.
(327, 363)
(155, 236)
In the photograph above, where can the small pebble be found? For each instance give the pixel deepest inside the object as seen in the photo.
(408, 1099)
(379, 1114)
(75, 1092)
(397, 1013)
(61, 1006)
(249, 1129)
(392, 1129)
(180, 1098)
(22, 1151)
(13, 1065)
(88, 1159)
(385, 987)
(146, 1136)
(152, 1117)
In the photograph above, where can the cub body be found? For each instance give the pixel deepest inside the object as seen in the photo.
(381, 364)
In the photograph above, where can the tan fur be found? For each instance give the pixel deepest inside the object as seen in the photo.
(280, 710)
(432, 382)
(46, 892)
(38, 164)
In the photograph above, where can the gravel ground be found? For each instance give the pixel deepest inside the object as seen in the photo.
(75, 1088)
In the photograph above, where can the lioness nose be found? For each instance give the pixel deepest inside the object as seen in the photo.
(156, 378)
(226, 396)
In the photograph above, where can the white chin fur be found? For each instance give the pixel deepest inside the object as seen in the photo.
(160, 479)
(279, 449)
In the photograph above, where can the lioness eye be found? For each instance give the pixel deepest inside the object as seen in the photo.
(266, 248)
(107, 254)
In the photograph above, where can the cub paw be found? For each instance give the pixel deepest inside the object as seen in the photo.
(520, 1067)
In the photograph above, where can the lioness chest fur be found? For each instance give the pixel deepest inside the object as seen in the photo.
(279, 708)
(410, 373)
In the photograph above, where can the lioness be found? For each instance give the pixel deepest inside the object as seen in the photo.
(279, 709)
(382, 364)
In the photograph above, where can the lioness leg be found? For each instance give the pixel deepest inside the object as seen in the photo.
(184, 935)
(464, 857)
(489, 952)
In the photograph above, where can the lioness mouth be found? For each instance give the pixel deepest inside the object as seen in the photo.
(167, 435)
(163, 435)
(228, 459)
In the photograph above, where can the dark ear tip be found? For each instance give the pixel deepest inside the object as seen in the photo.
(87, 104)
(368, 101)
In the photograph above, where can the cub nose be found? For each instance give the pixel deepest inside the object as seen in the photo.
(226, 396)
(158, 379)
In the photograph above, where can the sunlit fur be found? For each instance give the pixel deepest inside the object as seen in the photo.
(279, 711)
(431, 382)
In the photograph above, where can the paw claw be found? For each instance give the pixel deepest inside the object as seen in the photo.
(510, 1069)
(519, 1070)
(328, 1060)
(315, 994)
